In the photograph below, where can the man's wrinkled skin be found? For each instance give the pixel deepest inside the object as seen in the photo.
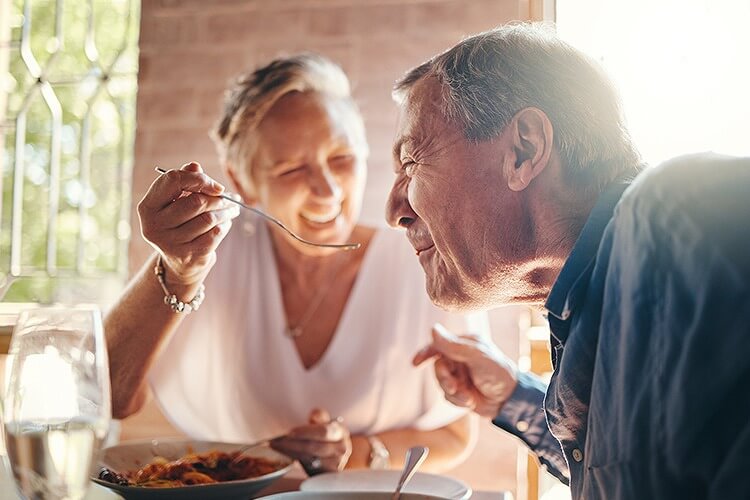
(491, 222)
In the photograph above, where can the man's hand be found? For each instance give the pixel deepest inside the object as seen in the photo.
(471, 370)
(324, 445)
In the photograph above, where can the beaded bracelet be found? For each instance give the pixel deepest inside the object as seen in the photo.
(171, 299)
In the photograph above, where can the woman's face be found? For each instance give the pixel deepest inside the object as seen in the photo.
(308, 169)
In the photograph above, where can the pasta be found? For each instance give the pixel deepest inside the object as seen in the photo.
(192, 469)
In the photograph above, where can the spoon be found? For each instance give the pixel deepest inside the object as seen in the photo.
(343, 246)
(414, 458)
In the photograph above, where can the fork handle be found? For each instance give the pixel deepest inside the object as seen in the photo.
(342, 246)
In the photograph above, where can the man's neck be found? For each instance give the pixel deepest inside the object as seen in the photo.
(557, 217)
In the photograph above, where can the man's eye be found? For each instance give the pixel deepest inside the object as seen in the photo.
(408, 168)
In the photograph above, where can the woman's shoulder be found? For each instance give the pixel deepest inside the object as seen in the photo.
(400, 277)
(392, 245)
(245, 252)
(390, 264)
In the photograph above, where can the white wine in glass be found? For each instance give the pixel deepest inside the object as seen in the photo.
(57, 406)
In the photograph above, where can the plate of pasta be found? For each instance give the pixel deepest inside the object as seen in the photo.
(188, 469)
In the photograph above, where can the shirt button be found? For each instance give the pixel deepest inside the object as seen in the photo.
(577, 455)
(522, 426)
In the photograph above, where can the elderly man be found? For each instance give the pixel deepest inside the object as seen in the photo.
(517, 182)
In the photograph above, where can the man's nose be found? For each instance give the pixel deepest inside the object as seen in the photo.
(398, 211)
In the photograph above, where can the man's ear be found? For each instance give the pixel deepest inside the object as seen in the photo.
(244, 189)
(532, 141)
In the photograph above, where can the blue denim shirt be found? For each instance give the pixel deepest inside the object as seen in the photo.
(649, 398)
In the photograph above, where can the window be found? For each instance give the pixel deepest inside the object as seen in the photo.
(67, 114)
(681, 67)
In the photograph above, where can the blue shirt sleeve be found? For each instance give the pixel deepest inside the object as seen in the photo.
(700, 323)
(523, 416)
(676, 338)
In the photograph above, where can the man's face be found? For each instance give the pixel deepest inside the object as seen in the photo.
(451, 196)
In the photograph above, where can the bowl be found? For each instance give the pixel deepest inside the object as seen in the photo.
(385, 481)
(343, 495)
(134, 455)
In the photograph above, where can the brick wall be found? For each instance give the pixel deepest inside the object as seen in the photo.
(190, 50)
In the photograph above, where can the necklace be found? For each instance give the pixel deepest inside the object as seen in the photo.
(295, 331)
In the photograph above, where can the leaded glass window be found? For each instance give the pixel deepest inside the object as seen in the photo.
(67, 114)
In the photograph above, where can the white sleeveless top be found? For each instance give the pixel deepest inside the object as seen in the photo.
(229, 373)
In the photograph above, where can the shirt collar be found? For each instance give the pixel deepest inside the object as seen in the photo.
(560, 301)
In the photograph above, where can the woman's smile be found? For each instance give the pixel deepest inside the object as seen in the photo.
(322, 217)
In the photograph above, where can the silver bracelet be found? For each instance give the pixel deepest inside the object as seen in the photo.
(171, 299)
(379, 458)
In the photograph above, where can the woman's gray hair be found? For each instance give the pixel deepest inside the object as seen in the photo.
(487, 78)
(253, 94)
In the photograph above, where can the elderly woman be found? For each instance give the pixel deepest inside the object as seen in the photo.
(288, 334)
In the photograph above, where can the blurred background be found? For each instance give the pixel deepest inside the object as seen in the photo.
(95, 93)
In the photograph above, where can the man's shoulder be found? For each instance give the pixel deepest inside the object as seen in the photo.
(685, 209)
(685, 180)
(699, 188)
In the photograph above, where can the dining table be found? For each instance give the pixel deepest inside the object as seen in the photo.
(290, 482)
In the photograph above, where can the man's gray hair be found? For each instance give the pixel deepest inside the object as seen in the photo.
(487, 78)
(253, 94)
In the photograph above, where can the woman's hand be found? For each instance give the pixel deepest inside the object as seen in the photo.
(324, 445)
(183, 217)
(471, 370)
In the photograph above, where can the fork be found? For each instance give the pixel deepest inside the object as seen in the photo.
(342, 246)
(311, 464)
(263, 442)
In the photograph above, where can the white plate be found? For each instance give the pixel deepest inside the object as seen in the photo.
(386, 480)
(348, 495)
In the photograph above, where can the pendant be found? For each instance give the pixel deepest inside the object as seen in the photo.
(292, 333)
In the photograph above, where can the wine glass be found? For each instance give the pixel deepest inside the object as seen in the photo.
(57, 406)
